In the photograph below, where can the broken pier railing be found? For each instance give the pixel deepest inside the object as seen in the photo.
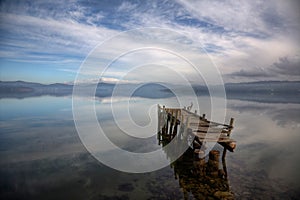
(180, 121)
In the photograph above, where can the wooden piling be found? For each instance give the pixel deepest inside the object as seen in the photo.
(230, 126)
(213, 163)
(214, 155)
(171, 123)
(199, 154)
(176, 124)
(231, 122)
(199, 127)
(186, 122)
(159, 118)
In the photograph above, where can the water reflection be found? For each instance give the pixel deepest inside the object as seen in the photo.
(283, 114)
(199, 176)
(41, 156)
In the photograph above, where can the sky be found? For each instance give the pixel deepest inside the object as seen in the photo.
(48, 41)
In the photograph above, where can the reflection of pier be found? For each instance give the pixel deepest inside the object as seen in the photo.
(198, 175)
(200, 178)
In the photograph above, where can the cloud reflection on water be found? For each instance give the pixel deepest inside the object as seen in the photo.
(38, 151)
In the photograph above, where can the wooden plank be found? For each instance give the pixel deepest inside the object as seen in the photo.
(229, 145)
(223, 139)
(201, 128)
(220, 141)
(186, 112)
(208, 129)
(199, 134)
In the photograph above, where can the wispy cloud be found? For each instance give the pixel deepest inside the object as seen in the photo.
(288, 65)
(251, 74)
(49, 39)
(239, 36)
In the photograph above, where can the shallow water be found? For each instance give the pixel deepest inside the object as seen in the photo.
(42, 156)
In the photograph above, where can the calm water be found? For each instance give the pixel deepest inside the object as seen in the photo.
(41, 156)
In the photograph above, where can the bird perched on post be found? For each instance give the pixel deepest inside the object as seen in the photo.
(190, 107)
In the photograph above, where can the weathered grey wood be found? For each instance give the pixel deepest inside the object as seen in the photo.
(231, 125)
(229, 145)
(203, 129)
(197, 118)
(224, 162)
(208, 129)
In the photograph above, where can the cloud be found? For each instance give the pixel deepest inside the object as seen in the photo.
(116, 80)
(250, 74)
(47, 37)
(288, 66)
(241, 37)
(285, 68)
(126, 7)
(253, 18)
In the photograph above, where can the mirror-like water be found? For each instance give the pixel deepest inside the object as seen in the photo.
(41, 156)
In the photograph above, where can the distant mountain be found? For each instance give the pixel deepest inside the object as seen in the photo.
(16, 84)
(264, 86)
(21, 89)
(263, 91)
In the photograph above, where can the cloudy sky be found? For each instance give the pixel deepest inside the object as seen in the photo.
(47, 41)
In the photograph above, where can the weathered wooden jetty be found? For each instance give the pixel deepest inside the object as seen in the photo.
(181, 121)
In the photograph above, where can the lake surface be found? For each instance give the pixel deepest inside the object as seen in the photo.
(42, 157)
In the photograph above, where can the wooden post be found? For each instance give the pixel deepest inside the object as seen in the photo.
(224, 154)
(230, 126)
(167, 124)
(231, 122)
(176, 123)
(187, 122)
(164, 120)
(199, 154)
(185, 133)
(214, 155)
(171, 122)
(176, 116)
(224, 163)
(213, 163)
(225, 150)
(159, 118)
(159, 136)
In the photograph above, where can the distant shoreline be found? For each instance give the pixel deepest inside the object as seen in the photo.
(262, 91)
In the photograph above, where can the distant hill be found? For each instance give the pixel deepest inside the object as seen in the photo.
(264, 86)
(21, 89)
(263, 91)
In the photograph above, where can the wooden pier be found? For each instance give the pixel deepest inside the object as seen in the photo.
(174, 121)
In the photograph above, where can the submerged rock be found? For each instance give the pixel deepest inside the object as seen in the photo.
(126, 187)
(223, 195)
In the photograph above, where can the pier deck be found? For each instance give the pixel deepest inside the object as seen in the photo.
(187, 123)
